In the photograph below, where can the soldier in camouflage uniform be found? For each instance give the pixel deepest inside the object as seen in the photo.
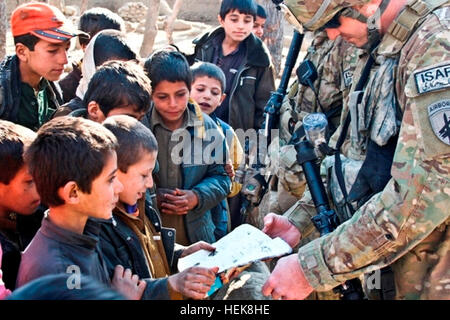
(405, 104)
(335, 61)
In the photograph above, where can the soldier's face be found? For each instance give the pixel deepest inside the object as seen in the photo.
(351, 30)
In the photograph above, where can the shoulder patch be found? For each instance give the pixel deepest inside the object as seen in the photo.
(348, 77)
(439, 115)
(433, 79)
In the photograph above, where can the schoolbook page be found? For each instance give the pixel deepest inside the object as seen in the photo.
(243, 245)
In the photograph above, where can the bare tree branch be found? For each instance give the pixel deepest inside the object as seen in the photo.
(151, 28)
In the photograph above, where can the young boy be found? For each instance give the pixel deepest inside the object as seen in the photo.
(208, 86)
(245, 61)
(74, 165)
(260, 22)
(187, 189)
(135, 237)
(28, 95)
(105, 46)
(19, 200)
(117, 87)
(91, 21)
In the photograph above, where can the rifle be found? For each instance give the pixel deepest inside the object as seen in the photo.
(326, 219)
(257, 186)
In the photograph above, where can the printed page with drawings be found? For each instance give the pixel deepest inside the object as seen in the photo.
(243, 245)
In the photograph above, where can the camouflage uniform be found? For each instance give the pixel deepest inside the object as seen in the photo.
(406, 225)
(335, 61)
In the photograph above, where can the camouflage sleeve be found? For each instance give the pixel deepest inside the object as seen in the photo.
(416, 200)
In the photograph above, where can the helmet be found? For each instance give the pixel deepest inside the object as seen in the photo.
(313, 14)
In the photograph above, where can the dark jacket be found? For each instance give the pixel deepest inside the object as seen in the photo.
(13, 243)
(69, 83)
(55, 250)
(252, 84)
(10, 83)
(120, 245)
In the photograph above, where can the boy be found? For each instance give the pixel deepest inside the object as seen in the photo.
(105, 46)
(260, 22)
(208, 86)
(186, 189)
(74, 165)
(117, 87)
(245, 61)
(19, 200)
(91, 21)
(28, 95)
(134, 237)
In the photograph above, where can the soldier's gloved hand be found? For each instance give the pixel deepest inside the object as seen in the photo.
(290, 173)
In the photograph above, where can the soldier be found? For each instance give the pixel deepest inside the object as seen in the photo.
(400, 129)
(335, 62)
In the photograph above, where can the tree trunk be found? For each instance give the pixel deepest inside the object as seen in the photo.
(168, 26)
(273, 32)
(83, 7)
(3, 29)
(165, 9)
(151, 28)
(57, 3)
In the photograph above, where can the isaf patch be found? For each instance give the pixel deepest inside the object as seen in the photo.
(439, 115)
(433, 79)
(348, 78)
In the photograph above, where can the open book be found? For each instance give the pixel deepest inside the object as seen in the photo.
(243, 245)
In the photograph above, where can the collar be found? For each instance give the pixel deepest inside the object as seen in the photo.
(88, 239)
(255, 48)
(193, 119)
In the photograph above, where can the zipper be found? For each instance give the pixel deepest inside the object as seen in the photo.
(238, 75)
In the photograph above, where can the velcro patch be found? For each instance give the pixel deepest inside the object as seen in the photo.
(348, 78)
(439, 115)
(433, 79)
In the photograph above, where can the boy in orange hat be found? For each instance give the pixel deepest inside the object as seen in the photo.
(28, 95)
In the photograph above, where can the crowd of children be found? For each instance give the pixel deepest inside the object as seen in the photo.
(109, 175)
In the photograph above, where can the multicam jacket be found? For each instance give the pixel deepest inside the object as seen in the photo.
(406, 225)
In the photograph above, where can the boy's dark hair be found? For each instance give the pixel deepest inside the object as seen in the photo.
(14, 139)
(208, 69)
(68, 149)
(28, 40)
(111, 45)
(168, 65)
(134, 140)
(243, 6)
(97, 19)
(261, 12)
(54, 287)
(118, 84)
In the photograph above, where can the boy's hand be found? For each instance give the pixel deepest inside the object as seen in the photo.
(194, 282)
(200, 245)
(128, 284)
(229, 170)
(179, 202)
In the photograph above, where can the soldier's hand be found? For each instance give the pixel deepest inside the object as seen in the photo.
(287, 281)
(279, 226)
(128, 284)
